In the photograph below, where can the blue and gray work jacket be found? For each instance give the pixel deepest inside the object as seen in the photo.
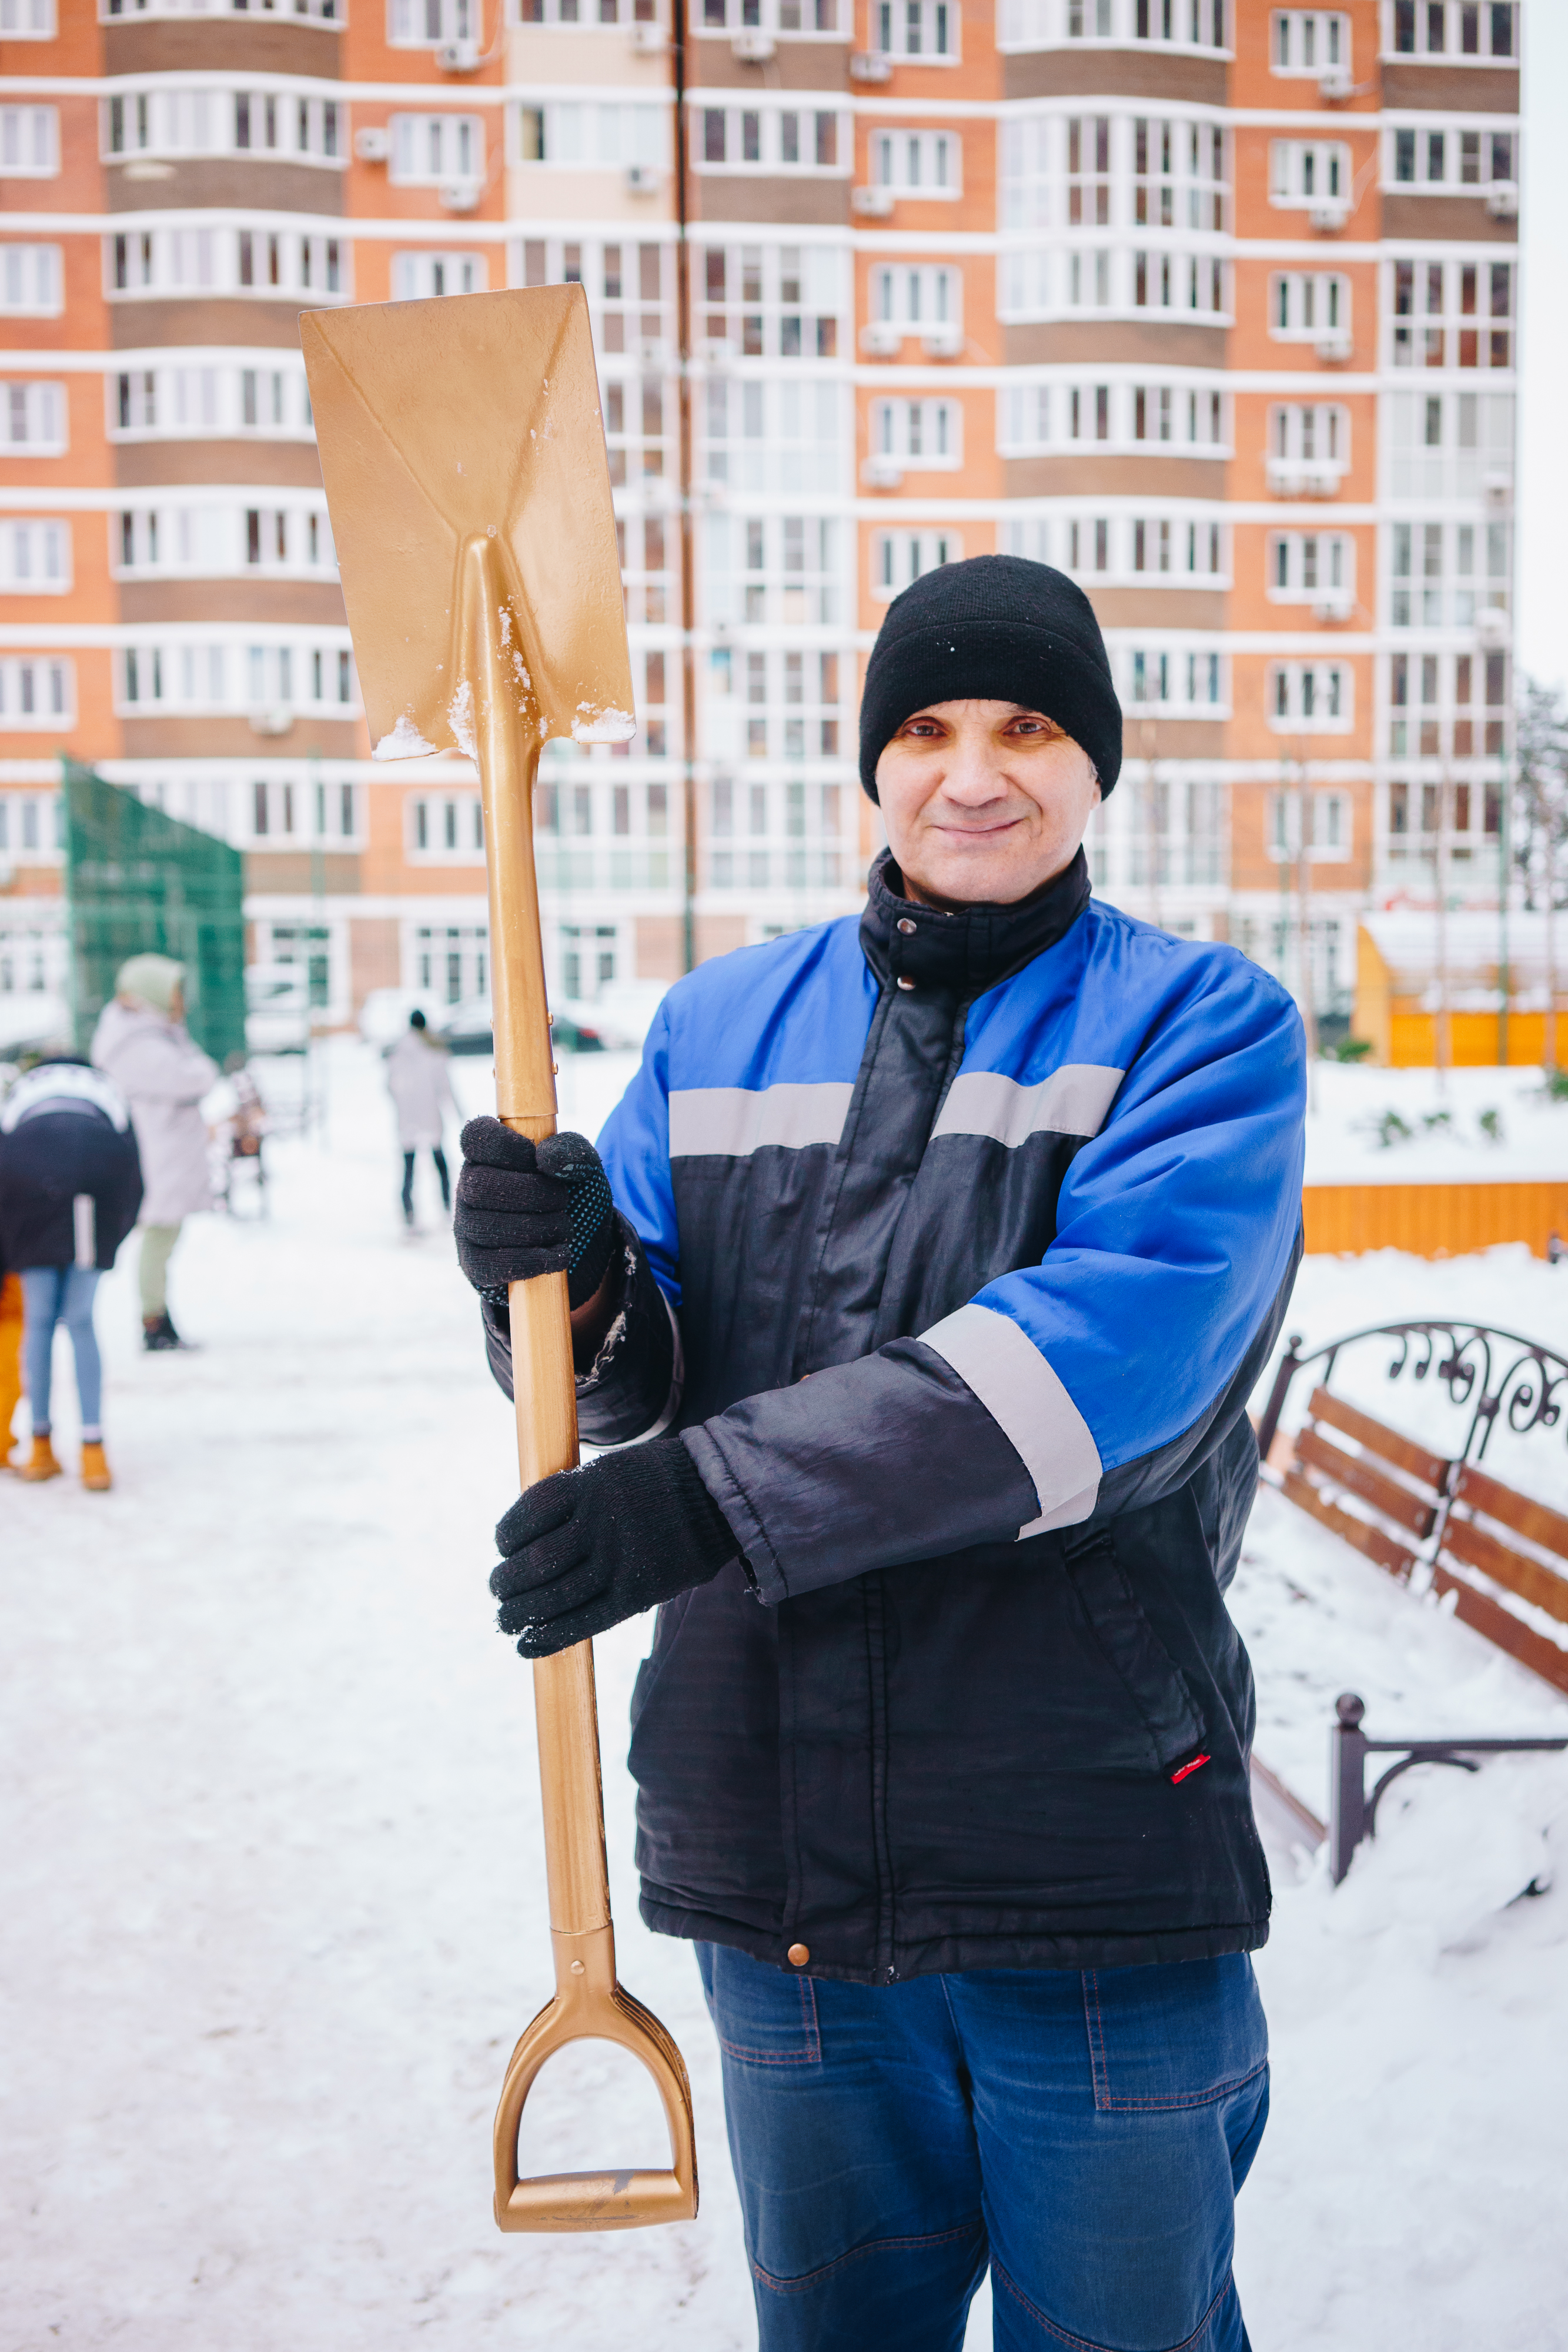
(954, 1245)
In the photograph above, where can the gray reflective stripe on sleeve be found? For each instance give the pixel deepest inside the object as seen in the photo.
(732, 1121)
(1072, 1101)
(1028, 1402)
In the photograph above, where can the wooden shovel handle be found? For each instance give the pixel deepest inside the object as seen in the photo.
(589, 2004)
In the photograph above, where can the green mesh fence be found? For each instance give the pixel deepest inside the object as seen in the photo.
(138, 880)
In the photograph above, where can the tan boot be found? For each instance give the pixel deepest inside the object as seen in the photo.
(40, 1462)
(95, 1474)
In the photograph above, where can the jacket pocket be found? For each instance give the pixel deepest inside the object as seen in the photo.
(1161, 1697)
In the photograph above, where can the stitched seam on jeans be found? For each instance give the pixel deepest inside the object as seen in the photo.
(769, 2057)
(809, 2025)
(1096, 2026)
(1086, 2344)
(975, 2228)
(1192, 2099)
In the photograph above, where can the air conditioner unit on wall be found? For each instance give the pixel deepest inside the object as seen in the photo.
(373, 145)
(1334, 86)
(649, 40)
(1502, 200)
(1337, 607)
(460, 195)
(1329, 219)
(1492, 628)
(643, 179)
(1334, 349)
(1499, 489)
(943, 342)
(753, 48)
(884, 473)
(869, 64)
(271, 722)
(459, 57)
(883, 340)
(874, 204)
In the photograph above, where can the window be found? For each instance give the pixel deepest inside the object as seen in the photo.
(773, 569)
(1089, 169)
(915, 28)
(1328, 827)
(916, 162)
(1309, 171)
(418, 276)
(35, 692)
(567, 131)
(1178, 282)
(188, 120)
(783, 17)
(1425, 158)
(587, 12)
(32, 418)
(1309, 447)
(29, 142)
(1452, 314)
(1460, 31)
(34, 558)
(31, 281)
(1309, 41)
(178, 401)
(26, 20)
(921, 433)
(1310, 698)
(429, 24)
(448, 831)
(1441, 574)
(1177, 678)
(1199, 24)
(1307, 306)
(291, 673)
(776, 438)
(1040, 416)
(1180, 175)
(776, 139)
(276, 264)
(437, 149)
(769, 301)
(899, 557)
(1309, 567)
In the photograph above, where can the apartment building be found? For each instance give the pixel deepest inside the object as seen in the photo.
(1213, 304)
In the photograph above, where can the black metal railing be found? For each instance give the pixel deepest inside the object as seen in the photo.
(1353, 1813)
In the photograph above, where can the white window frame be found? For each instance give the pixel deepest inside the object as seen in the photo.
(925, 435)
(32, 280)
(1306, 43)
(187, 676)
(920, 297)
(1329, 556)
(1452, 52)
(774, 140)
(1172, 23)
(577, 135)
(927, 32)
(27, 20)
(424, 275)
(1295, 471)
(898, 558)
(430, 817)
(1192, 679)
(1324, 718)
(49, 681)
(41, 410)
(443, 148)
(267, 265)
(1330, 309)
(409, 23)
(922, 166)
(787, 20)
(1307, 172)
(35, 555)
(1333, 826)
(29, 142)
(1449, 133)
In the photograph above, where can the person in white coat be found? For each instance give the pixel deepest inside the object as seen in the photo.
(420, 1085)
(143, 1044)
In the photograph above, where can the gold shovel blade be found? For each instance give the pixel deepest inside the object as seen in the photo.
(440, 422)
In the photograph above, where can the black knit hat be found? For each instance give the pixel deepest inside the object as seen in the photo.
(1000, 629)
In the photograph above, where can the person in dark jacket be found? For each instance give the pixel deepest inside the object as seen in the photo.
(931, 1259)
(70, 1186)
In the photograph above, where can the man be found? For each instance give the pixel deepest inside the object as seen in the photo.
(946, 1249)
(420, 1084)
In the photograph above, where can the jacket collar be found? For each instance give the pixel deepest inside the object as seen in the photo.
(973, 949)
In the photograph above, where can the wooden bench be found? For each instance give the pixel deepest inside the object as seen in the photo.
(1439, 1521)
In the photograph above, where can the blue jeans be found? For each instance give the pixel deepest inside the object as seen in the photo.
(60, 1294)
(1084, 2133)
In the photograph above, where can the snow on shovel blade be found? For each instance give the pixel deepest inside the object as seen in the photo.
(441, 422)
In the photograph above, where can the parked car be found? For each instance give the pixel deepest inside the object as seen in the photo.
(277, 1009)
(469, 1028)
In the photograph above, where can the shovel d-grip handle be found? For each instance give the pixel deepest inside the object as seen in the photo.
(589, 2004)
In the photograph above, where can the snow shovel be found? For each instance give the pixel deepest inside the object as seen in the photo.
(469, 493)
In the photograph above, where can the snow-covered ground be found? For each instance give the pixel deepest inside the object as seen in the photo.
(1353, 1140)
(274, 1896)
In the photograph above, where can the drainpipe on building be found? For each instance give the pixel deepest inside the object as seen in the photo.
(1305, 832)
(688, 579)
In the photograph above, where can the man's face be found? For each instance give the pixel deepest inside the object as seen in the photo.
(984, 802)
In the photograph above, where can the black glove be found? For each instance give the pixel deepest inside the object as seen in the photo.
(587, 1547)
(524, 1210)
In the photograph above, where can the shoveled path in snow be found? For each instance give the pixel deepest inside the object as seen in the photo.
(274, 1904)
